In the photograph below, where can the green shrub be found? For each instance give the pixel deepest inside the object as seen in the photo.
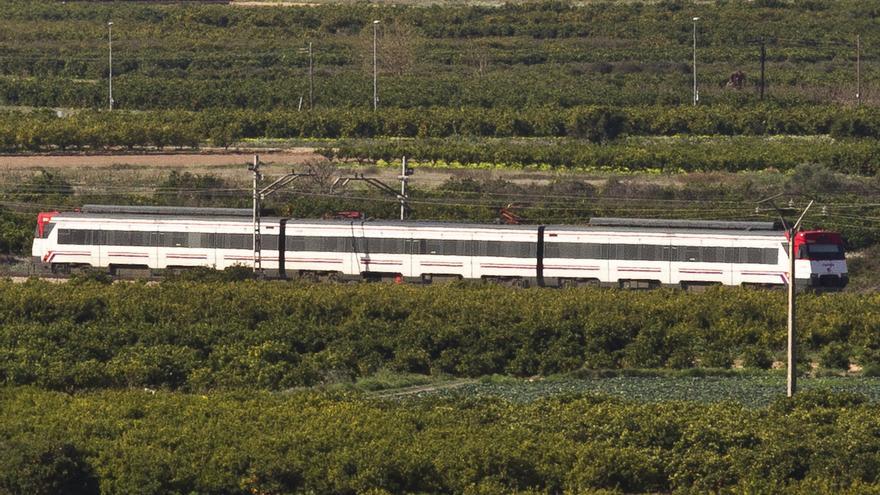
(757, 357)
(871, 370)
(39, 465)
(835, 356)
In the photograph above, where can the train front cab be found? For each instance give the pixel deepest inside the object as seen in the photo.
(821, 255)
(44, 229)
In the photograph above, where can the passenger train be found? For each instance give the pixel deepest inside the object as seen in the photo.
(629, 253)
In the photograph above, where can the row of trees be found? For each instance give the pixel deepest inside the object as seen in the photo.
(98, 130)
(208, 335)
(678, 154)
(196, 56)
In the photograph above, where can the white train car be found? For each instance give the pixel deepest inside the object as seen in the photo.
(634, 253)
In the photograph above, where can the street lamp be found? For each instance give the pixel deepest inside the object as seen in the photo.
(696, 93)
(110, 44)
(375, 86)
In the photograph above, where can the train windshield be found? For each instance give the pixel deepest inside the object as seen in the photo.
(43, 233)
(825, 251)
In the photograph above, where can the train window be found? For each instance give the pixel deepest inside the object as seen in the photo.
(118, 237)
(296, 243)
(47, 229)
(178, 239)
(730, 255)
(268, 241)
(72, 236)
(235, 241)
(771, 256)
(355, 245)
(754, 255)
(518, 249)
(570, 250)
(194, 240)
(596, 251)
(418, 246)
(433, 246)
(308, 244)
(654, 252)
(488, 248)
(576, 250)
(493, 248)
(711, 254)
(140, 238)
(391, 245)
(447, 247)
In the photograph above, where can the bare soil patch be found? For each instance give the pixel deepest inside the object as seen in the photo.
(180, 160)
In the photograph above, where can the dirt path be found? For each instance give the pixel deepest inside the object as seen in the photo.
(293, 156)
(388, 394)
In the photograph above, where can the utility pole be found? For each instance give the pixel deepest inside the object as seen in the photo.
(375, 69)
(858, 70)
(255, 168)
(696, 93)
(311, 81)
(258, 196)
(763, 60)
(791, 233)
(110, 45)
(792, 291)
(404, 177)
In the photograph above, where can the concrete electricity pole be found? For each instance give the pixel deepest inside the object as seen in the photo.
(791, 233)
(792, 291)
(763, 60)
(858, 70)
(375, 69)
(110, 44)
(405, 172)
(696, 93)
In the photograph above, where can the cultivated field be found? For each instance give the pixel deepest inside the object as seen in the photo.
(217, 382)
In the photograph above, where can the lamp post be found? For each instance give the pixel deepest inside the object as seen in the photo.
(110, 45)
(696, 94)
(375, 66)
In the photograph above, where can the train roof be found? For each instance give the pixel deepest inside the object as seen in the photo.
(185, 218)
(241, 215)
(684, 224)
(166, 210)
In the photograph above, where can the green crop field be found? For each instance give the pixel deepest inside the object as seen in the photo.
(217, 383)
(750, 388)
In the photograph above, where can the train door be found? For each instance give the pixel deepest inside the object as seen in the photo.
(158, 241)
(668, 255)
(413, 248)
(358, 261)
